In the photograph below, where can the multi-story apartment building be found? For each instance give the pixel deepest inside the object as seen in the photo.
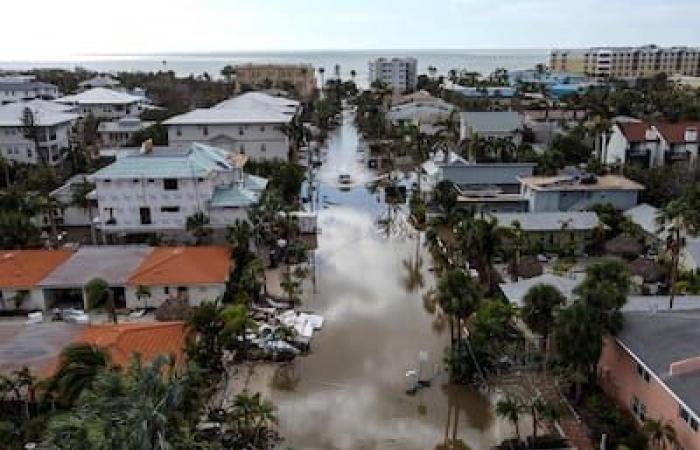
(653, 145)
(25, 87)
(157, 189)
(52, 123)
(252, 123)
(103, 103)
(627, 62)
(299, 77)
(400, 74)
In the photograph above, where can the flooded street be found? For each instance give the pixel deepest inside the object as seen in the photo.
(349, 393)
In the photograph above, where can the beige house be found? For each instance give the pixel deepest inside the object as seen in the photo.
(300, 77)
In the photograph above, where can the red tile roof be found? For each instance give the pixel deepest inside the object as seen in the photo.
(148, 339)
(635, 131)
(183, 265)
(674, 133)
(24, 269)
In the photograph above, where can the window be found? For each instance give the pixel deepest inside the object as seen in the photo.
(240, 131)
(642, 372)
(262, 129)
(683, 414)
(136, 180)
(205, 130)
(694, 424)
(166, 290)
(151, 180)
(170, 184)
(170, 209)
(145, 215)
(263, 148)
(639, 409)
(178, 131)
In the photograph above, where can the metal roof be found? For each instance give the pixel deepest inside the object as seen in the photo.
(492, 121)
(550, 221)
(195, 161)
(235, 196)
(45, 113)
(515, 291)
(100, 96)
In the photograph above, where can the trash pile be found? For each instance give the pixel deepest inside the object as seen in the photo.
(283, 332)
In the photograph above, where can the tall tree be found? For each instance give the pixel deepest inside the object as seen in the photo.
(540, 306)
(97, 294)
(509, 408)
(78, 366)
(198, 225)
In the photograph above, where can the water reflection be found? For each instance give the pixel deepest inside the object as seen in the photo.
(349, 393)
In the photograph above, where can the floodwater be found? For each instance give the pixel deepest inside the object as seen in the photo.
(349, 393)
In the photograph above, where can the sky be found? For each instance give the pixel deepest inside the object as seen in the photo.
(63, 29)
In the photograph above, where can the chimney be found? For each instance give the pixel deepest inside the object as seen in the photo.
(691, 134)
(146, 146)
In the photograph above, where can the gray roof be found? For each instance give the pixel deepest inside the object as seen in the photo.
(112, 263)
(195, 161)
(515, 291)
(549, 221)
(659, 339)
(45, 113)
(644, 215)
(492, 121)
(26, 85)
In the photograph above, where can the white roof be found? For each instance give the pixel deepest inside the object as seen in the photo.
(100, 96)
(644, 215)
(515, 291)
(248, 108)
(422, 111)
(45, 113)
(549, 221)
(438, 158)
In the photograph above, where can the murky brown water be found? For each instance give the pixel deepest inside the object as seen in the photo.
(349, 393)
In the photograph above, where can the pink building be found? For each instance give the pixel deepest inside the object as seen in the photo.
(652, 368)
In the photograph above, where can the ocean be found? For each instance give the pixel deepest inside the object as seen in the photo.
(483, 61)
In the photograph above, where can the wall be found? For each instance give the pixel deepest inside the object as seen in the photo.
(260, 141)
(15, 147)
(620, 379)
(126, 196)
(35, 300)
(109, 112)
(541, 201)
(196, 294)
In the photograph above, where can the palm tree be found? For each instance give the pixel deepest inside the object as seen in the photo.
(80, 200)
(517, 239)
(252, 418)
(673, 220)
(198, 225)
(509, 409)
(143, 292)
(660, 433)
(98, 293)
(488, 242)
(540, 306)
(459, 296)
(582, 331)
(237, 323)
(78, 366)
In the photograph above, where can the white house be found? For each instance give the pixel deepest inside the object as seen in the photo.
(491, 125)
(69, 214)
(118, 133)
(252, 124)
(653, 145)
(104, 103)
(400, 74)
(190, 274)
(21, 271)
(579, 193)
(53, 124)
(156, 190)
(420, 109)
(18, 88)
